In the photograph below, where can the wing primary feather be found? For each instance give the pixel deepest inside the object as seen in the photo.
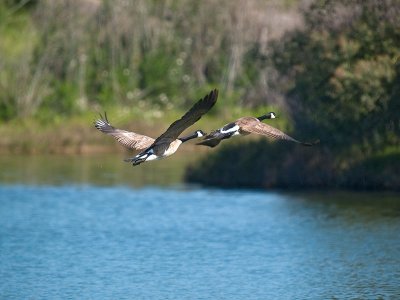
(190, 117)
(128, 139)
(272, 132)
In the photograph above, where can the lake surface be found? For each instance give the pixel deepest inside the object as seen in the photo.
(95, 228)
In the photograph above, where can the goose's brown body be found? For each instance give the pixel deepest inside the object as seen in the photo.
(245, 126)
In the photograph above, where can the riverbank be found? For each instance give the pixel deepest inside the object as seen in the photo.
(251, 162)
(280, 165)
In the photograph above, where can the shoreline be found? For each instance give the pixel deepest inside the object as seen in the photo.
(79, 137)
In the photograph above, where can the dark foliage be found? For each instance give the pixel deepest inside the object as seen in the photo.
(341, 75)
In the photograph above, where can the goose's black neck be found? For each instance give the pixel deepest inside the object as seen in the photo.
(188, 137)
(263, 117)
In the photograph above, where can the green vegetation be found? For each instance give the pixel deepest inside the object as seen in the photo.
(330, 70)
(61, 62)
(341, 75)
(69, 57)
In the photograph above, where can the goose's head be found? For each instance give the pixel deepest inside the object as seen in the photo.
(270, 115)
(200, 133)
(196, 134)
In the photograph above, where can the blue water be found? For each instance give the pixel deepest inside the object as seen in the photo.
(91, 242)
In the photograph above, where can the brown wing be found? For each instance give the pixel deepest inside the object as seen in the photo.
(128, 139)
(257, 127)
(192, 116)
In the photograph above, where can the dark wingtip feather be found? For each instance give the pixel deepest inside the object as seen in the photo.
(212, 96)
(316, 142)
(103, 124)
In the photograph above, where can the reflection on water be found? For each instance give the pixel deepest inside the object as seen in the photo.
(99, 169)
(96, 239)
(353, 206)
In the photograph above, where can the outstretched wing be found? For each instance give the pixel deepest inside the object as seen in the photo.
(192, 116)
(258, 127)
(210, 142)
(128, 139)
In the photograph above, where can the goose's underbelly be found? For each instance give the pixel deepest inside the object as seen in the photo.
(153, 157)
(172, 148)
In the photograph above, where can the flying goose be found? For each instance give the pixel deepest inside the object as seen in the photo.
(245, 126)
(168, 142)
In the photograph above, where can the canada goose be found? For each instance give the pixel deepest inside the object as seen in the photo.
(168, 142)
(245, 126)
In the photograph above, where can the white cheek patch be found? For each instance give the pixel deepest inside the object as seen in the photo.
(234, 129)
